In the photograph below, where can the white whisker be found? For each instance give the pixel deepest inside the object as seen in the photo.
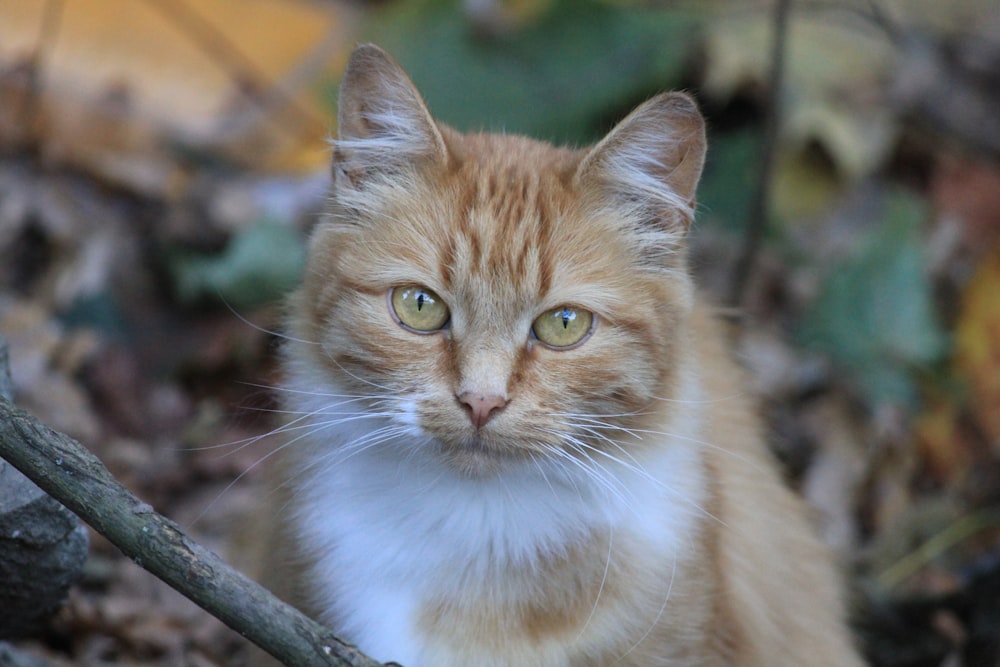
(659, 614)
(256, 327)
(600, 589)
(632, 465)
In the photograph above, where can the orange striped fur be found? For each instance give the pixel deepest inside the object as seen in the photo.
(614, 502)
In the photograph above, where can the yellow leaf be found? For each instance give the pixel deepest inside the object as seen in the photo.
(832, 102)
(977, 344)
(118, 82)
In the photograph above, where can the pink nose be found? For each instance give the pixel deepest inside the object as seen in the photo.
(482, 408)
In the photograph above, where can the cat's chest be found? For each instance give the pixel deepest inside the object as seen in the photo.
(395, 543)
(421, 526)
(388, 545)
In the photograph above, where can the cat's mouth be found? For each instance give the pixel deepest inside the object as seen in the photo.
(480, 454)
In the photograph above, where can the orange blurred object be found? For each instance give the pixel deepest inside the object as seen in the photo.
(124, 87)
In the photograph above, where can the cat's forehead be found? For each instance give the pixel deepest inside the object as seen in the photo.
(513, 231)
(509, 217)
(503, 229)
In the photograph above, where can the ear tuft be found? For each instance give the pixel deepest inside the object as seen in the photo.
(383, 123)
(653, 158)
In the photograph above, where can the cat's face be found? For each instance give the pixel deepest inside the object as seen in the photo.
(503, 298)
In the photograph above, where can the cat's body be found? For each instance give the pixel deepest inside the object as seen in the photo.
(473, 487)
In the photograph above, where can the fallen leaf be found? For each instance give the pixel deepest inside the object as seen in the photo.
(44, 360)
(968, 189)
(117, 86)
(260, 264)
(944, 448)
(977, 345)
(835, 128)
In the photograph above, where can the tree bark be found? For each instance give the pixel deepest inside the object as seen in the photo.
(77, 479)
(43, 546)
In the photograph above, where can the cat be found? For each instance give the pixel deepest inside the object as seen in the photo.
(516, 437)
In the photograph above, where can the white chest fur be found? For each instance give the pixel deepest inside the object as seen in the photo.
(386, 531)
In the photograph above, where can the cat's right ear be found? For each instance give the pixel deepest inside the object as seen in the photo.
(652, 160)
(384, 125)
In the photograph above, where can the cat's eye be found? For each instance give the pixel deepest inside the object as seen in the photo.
(563, 327)
(418, 308)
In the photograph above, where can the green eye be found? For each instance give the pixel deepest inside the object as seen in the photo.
(563, 327)
(418, 309)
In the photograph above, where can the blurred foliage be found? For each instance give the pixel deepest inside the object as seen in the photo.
(874, 315)
(978, 342)
(558, 77)
(260, 264)
(120, 88)
(730, 177)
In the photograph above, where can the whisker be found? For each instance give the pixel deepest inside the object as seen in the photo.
(257, 327)
(319, 394)
(541, 470)
(635, 467)
(659, 614)
(594, 470)
(637, 433)
(243, 474)
(340, 454)
(600, 589)
(701, 401)
(293, 425)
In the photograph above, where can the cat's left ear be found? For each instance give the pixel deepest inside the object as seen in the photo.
(384, 125)
(653, 158)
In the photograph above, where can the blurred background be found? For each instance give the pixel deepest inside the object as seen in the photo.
(162, 161)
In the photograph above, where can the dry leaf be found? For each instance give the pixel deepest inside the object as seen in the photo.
(968, 190)
(977, 345)
(835, 75)
(944, 449)
(114, 85)
(44, 358)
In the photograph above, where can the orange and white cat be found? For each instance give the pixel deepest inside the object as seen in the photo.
(518, 439)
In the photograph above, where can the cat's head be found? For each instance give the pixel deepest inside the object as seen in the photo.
(503, 298)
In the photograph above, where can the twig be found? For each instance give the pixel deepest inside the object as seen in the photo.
(47, 34)
(247, 76)
(954, 533)
(72, 475)
(757, 216)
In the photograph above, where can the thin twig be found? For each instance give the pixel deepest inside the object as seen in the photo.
(759, 209)
(247, 76)
(48, 32)
(305, 71)
(953, 534)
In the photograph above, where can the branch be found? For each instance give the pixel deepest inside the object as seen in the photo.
(247, 77)
(77, 479)
(757, 216)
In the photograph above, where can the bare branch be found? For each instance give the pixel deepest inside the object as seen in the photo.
(757, 216)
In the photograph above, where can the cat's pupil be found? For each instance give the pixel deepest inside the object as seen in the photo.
(566, 317)
(420, 300)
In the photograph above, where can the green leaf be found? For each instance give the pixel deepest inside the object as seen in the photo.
(260, 264)
(730, 177)
(557, 78)
(874, 316)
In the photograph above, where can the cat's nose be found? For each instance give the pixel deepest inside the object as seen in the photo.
(482, 408)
